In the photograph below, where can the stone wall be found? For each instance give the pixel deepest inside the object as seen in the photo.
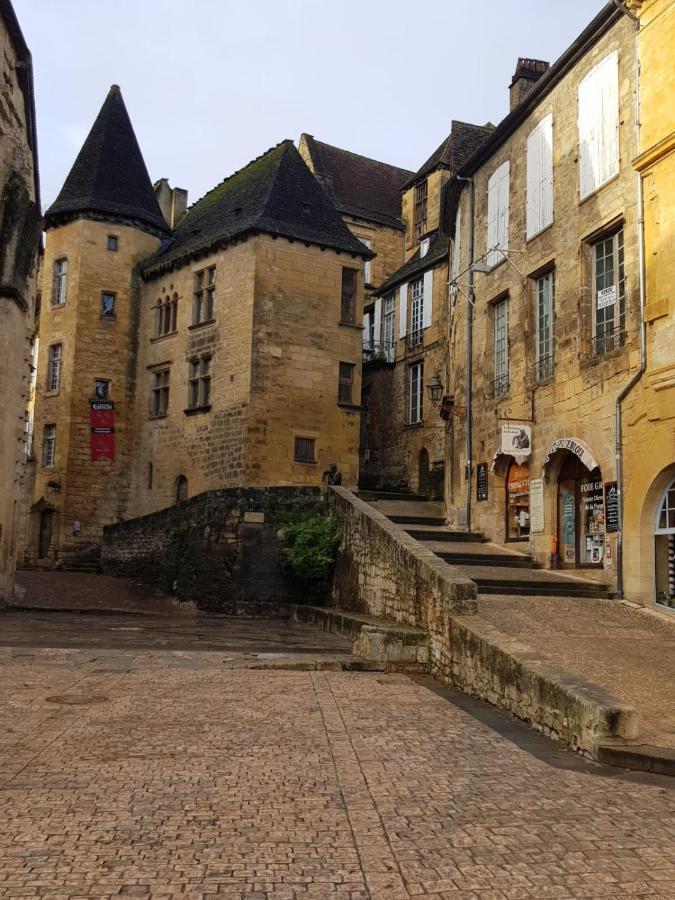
(218, 550)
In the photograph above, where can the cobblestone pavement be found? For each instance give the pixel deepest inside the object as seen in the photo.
(160, 773)
(630, 652)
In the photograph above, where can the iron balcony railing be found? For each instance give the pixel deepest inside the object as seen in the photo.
(608, 339)
(379, 352)
(500, 386)
(544, 367)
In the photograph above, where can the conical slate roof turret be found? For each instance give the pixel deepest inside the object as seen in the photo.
(109, 176)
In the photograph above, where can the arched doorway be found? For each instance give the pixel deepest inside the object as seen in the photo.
(664, 548)
(517, 484)
(181, 489)
(45, 533)
(581, 514)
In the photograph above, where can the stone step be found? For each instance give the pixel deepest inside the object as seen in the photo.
(374, 639)
(374, 496)
(532, 582)
(417, 520)
(458, 558)
(441, 533)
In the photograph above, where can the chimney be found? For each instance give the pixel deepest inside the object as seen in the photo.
(528, 71)
(172, 201)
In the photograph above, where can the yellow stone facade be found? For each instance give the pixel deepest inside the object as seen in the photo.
(649, 411)
(20, 223)
(571, 404)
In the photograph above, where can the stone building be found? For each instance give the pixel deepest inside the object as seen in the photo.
(19, 244)
(403, 445)
(183, 351)
(546, 248)
(648, 411)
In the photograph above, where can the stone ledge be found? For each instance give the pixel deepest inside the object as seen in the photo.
(640, 757)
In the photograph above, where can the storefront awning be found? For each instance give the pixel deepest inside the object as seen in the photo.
(573, 445)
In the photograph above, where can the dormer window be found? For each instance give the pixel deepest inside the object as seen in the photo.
(420, 209)
(424, 247)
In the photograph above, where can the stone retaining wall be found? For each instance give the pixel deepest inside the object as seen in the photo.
(219, 549)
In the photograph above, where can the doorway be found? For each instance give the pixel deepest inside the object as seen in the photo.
(45, 535)
(581, 515)
(517, 502)
(423, 481)
(664, 548)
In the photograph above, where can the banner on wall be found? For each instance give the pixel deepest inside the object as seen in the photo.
(516, 440)
(102, 423)
(536, 505)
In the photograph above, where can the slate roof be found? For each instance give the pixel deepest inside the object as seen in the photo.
(438, 251)
(109, 176)
(275, 194)
(455, 150)
(357, 185)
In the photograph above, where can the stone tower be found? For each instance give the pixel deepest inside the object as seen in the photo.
(103, 223)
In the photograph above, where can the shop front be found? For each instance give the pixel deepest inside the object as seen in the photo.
(517, 502)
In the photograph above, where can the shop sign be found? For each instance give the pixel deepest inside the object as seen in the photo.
(574, 446)
(102, 424)
(516, 440)
(482, 481)
(536, 505)
(611, 507)
(607, 297)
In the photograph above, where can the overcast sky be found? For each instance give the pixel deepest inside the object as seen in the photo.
(211, 84)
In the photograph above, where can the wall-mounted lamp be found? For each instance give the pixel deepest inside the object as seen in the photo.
(435, 389)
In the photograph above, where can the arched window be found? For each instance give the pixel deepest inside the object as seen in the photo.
(181, 489)
(665, 517)
(664, 548)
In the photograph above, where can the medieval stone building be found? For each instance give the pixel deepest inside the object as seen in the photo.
(19, 242)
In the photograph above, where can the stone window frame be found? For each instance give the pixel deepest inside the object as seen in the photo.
(112, 314)
(49, 445)
(113, 243)
(543, 364)
(415, 392)
(60, 281)
(102, 393)
(304, 449)
(204, 296)
(500, 346)
(54, 367)
(346, 372)
(160, 391)
(166, 315)
(199, 383)
(608, 335)
(421, 208)
(348, 295)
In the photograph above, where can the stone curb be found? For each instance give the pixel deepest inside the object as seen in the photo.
(640, 757)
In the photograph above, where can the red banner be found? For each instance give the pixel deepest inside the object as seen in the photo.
(102, 422)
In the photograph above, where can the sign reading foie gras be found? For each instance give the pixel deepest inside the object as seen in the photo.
(102, 423)
(516, 440)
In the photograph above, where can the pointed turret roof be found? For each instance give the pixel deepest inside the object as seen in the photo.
(109, 176)
(276, 194)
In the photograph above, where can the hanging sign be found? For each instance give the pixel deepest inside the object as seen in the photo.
(536, 505)
(102, 424)
(607, 297)
(516, 440)
(611, 506)
(481, 481)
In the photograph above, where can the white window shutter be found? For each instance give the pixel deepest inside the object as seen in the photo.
(503, 222)
(587, 154)
(366, 329)
(533, 192)
(403, 310)
(609, 116)
(493, 209)
(599, 125)
(377, 321)
(427, 308)
(546, 171)
(457, 244)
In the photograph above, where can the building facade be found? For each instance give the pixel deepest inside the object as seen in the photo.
(550, 212)
(20, 224)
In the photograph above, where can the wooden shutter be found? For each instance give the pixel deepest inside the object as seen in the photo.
(540, 177)
(599, 125)
(492, 215)
(366, 328)
(546, 127)
(377, 321)
(503, 215)
(428, 302)
(457, 243)
(403, 310)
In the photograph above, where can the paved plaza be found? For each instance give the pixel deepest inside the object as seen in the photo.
(142, 770)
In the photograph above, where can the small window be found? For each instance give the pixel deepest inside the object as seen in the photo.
(108, 305)
(346, 383)
(416, 313)
(204, 296)
(55, 357)
(166, 315)
(151, 472)
(181, 489)
(102, 389)
(159, 396)
(367, 263)
(348, 305)
(199, 382)
(60, 285)
(424, 247)
(545, 311)
(304, 450)
(49, 445)
(609, 295)
(415, 393)
(113, 243)
(420, 209)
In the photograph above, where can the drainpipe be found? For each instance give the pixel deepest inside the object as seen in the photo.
(643, 327)
(469, 358)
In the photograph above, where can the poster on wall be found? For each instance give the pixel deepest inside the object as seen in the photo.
(102, 424)
(516, 440)
(482, 481)
(536, 505)
(611, 507)
(607, 297)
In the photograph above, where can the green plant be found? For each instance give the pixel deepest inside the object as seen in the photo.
(310, 548)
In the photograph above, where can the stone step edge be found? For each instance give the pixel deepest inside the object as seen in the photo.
(375, 640)
(638, 757)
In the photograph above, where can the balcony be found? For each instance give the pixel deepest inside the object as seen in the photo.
(608, 339)
(544, 368)
(500, 386)
(381, 353)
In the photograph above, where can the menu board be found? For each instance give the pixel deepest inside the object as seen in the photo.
(611, 506)
(482, 481)
(536, 505)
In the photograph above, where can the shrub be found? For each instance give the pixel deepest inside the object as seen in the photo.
(310, 549)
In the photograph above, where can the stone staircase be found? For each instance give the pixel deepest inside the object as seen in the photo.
(495, 568)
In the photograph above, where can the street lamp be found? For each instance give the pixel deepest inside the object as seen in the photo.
(435, 389)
